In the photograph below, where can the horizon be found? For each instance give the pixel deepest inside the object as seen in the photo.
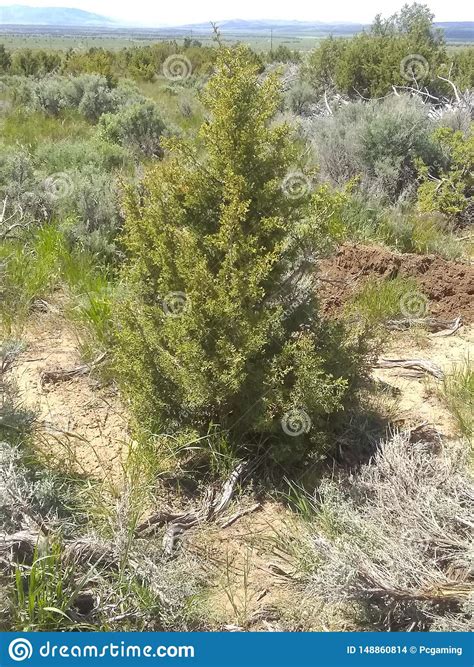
(340, 11)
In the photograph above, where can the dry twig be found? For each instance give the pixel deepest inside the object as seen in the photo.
(423, 365)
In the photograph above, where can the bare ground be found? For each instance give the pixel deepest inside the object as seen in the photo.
(81, 425)
(417, 399)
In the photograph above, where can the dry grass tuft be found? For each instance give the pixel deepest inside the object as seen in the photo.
(396, 539)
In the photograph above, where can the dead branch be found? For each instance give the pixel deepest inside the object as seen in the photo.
(7, 359)
(431, 323)
(221, 502)
(327, 103)
(441, 593)
(42, 306)
(21, 546)
(156, 521)
(17, 216)
(423, 365)
(67, 374)
(453, 86)
(90, 552)
(416, 91)
(238, 515)
(178, 523)
(457, 324)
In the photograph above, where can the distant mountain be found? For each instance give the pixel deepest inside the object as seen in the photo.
(461, 31)
(51, 16)
(453, 30)
(294, 28)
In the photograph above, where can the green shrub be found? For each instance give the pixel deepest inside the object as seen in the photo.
(138, 127)
(378, 142)
(461, 68)
(89, 94)
(5, 59)
(28, 62)
(419, 232)
(282, 54)
(320, 68)
(74, 184)
(216, 328)
(381, 300)
(94, 61)
(300, 97)
(450, 188)
(97, 97)
(403, 50)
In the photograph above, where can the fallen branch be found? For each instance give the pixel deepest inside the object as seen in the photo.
(431, 323)
(457, 324)
(453, 86)
(23, 545)
(437, 593)
(7, 359)
(221, 502)
(19, 547)
(238, 515)
(42, 306)
(327, 103)
(62, 374)
(87, 551)
(156, 521)
(422, 365)
(176, 524)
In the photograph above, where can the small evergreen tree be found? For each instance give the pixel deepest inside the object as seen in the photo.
(217, 327)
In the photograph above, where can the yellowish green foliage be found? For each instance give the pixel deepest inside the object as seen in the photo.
(451, 188)
(217, 326)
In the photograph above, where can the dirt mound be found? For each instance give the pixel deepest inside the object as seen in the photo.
(448, 285)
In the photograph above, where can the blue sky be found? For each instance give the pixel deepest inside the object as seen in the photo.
(189, 11)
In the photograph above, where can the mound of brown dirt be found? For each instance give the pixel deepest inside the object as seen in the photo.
(448, 285)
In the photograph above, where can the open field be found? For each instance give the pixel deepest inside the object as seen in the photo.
(83, 38)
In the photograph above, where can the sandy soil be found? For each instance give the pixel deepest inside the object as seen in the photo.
(80, 425)
(417, 399)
